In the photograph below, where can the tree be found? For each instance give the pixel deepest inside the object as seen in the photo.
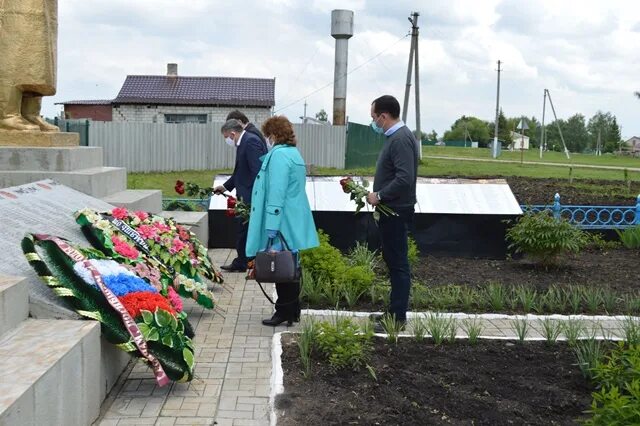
(468, 127)
(421, 136)
(321, 115)
(504, 131)
(638, 94)
(575, 133)
(433, 136)
(607, 124)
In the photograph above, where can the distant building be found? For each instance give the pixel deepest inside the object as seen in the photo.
(519, 141)
(633, 145)
(176, 99)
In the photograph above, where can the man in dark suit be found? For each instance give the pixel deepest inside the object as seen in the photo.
(246, 125)
(249, 150)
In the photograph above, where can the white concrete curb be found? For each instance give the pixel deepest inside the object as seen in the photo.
(462, 315)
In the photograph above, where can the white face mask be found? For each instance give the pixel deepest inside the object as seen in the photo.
(269, 144)
(230, 142)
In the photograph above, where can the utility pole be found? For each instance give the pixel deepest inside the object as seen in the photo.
(566, 151)
(304, 116)
(543, 144)
(413, 56)
(598, 148)
(494, 151)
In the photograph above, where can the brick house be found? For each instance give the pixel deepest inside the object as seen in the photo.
(633, 145)
(180, 99)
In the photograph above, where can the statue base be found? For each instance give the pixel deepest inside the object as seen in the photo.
(38, 139)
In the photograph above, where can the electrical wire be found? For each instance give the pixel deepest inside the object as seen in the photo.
(350, 72)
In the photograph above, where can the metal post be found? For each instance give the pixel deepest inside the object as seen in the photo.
(566, 151)
(417, 77)
(542, 135)
(556, 206)
(637, 221)
(494, 153)
(407, 89)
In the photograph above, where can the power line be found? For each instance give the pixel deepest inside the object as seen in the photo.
(353, 70)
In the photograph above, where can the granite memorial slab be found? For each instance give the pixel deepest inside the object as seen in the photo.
(44, 207)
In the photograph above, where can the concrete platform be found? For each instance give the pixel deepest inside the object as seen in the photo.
(51, 373)
(36, 138)
(14, 302)
(148, 200)
(60, 159)
(95, 181)
(197, 222)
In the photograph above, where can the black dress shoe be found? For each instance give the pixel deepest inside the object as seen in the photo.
(276, 320)
(234, 268)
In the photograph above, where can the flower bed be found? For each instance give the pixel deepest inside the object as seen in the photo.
(491, 383)
(152, 243)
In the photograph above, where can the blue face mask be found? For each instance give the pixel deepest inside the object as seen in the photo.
(377, 129)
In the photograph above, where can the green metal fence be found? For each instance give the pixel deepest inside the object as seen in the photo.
(363, 146)
(459, 144)
(74, 126)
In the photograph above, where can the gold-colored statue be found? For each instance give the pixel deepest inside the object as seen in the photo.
(28, 43)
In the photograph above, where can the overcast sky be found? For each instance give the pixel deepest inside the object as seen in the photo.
(587, 53)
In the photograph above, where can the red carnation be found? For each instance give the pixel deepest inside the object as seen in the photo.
(179, 187)
(144, 300)
(346, 183)
(231, 213)
(231, 202)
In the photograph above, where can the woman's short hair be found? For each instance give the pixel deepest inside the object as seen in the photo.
(280, 128)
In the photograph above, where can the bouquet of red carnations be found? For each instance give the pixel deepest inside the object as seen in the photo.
(358, 193)
(237, 208)
(192, 189)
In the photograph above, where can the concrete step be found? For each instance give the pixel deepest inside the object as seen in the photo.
(14, 302)
(95, 181)
(60, 159)
(197, 222)
(51, 373)
(148, 200)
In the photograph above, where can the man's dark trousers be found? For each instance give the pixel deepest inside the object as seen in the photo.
(241, 242)
(395, 247)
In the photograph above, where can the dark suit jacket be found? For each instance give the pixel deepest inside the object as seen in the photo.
(248, 164)
(253, 129)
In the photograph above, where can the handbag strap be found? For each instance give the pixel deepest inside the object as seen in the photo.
(265, 293)
(284, 242)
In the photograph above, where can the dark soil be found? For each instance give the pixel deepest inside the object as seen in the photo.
(491, 383)
(617, 269)
(587, 192)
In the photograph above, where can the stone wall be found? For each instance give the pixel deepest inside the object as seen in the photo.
(155, 113)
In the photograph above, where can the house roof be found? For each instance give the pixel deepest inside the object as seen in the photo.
(87, 102)
(177, 90)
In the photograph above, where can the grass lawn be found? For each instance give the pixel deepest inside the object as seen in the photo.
(533, 155)
(430, 167)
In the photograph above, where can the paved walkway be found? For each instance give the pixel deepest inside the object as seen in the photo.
(233, 365)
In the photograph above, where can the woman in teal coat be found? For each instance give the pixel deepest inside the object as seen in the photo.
(280, 207)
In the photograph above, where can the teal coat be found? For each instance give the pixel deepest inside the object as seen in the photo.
(279, 202)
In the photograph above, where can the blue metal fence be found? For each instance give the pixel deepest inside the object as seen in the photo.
(593, 217)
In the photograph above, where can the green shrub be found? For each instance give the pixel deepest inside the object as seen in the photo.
(360, 255)
(544, 238)
(413, 253)
(617, 402)
(343, 343)
(324, 261)
(595, 241)
(630, 237)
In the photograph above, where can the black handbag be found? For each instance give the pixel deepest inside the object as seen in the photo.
(276, 267)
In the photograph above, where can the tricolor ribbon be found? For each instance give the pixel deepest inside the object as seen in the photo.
(129, 322)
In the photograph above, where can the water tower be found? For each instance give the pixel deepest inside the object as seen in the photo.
(342, 31)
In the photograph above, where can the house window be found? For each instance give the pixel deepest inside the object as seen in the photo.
(185, 118)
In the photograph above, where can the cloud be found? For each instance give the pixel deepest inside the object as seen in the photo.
(583, 51)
